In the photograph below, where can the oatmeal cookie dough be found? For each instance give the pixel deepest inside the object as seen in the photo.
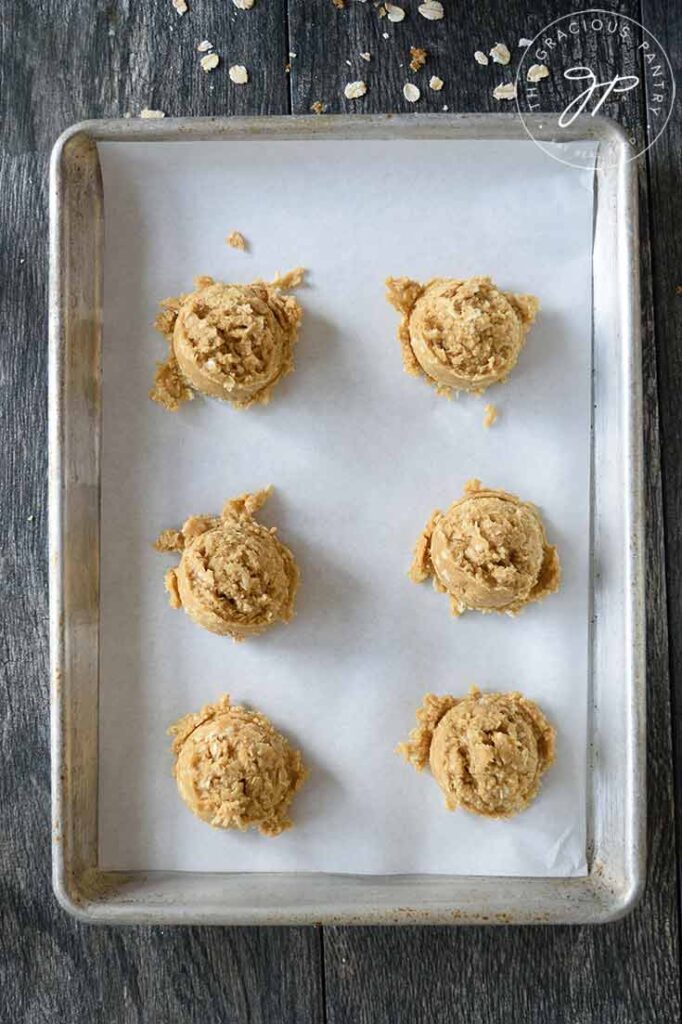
(488, 552)
(229, 341)
(235, 577)
(487, 752)
(460, 335)
(234, 770)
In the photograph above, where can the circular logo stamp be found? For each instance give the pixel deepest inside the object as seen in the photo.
(599, 62)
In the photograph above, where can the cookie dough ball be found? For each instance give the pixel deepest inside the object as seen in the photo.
(235, 578)
(229, 341)
(460, 335)
(488, 552)
(487, 752)
(234, 770)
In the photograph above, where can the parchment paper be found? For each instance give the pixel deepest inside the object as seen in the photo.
(360, 454)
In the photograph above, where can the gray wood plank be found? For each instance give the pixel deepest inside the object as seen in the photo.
(61, 62)
(626, 973)
(664, 163)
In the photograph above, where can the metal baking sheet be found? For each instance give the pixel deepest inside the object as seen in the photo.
(239, 897)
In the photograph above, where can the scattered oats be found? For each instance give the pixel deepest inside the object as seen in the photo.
(349, 63)
(500, 53)
(536, 72)
(204, 46)
(238, 74)
(30, 519)
(210, 61)
(340, 4)
(436, 83)
(432, 10)
(394, 12)
(525, 42)
(318, 107)
(411, 92)
(505, 92)
(446, 107)
(354, 90)
(385, 35)
(244, 5)
(151, 115)
(236, 240)
(287, 69)
(480, 57)
(381, 10)
(180, 6)
(490, 415)
(418, 57)
(292, 56)
(366, 56)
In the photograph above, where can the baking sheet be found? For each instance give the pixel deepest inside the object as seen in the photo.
(360, 454)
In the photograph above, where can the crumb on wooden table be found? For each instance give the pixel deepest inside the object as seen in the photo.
(490, 415)
(318, 107)
(236, 240)
(418, 56)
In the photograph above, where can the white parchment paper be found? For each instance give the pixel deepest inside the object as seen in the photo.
(360, 454)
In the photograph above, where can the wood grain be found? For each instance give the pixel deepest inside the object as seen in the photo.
(664, 165)
(61, 62)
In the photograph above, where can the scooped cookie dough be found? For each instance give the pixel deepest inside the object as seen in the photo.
(229, 341)
(460, 335)
(488, 552)
(487, 752)
(235, 577)
(234, 770)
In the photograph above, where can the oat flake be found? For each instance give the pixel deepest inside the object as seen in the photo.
(500, 53)
(394, 12)
(536, 72)
(204, 45)
(180, 6)
(210, 61)
(505, 92)
(436, 83)
(238, 74)
(150, 115)
(244, 5)
(480, 57)
(354, 90)
(525, 43)
(411, 92)
(432, 10)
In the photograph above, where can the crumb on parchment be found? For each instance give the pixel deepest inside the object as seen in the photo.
(291, 279)
(236, 240)
(490, 415)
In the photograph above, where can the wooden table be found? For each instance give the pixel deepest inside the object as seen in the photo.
(65, 60)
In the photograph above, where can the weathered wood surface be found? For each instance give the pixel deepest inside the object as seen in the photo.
(63, 60)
